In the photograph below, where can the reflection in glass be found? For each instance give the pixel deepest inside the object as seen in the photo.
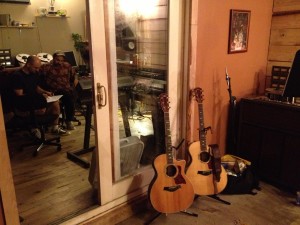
(141, 30)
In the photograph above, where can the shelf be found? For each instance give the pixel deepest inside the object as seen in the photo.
(54, 16)
(18, 27)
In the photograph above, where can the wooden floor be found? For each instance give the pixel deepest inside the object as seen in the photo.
(50, 187)
(270, 206)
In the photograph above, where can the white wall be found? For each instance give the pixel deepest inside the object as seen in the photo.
(48, 34)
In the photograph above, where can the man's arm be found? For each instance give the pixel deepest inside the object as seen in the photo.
(45, 93)
(17, 83)
(19, 92)
(73, 78)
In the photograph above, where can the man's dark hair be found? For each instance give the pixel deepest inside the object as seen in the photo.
(31, 59)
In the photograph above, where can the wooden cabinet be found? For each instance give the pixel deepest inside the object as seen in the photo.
(19, 40)
(269, 136)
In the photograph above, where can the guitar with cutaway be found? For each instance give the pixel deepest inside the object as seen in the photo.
(170, 190)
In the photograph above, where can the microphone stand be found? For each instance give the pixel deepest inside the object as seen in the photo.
(231, 137)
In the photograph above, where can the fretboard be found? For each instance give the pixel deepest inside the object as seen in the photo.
(202, 133)
(168, 141)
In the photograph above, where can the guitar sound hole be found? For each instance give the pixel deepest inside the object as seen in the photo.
(171, 170)
(204, 157)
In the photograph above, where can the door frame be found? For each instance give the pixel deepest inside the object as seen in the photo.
(7, 188)
(101, 56)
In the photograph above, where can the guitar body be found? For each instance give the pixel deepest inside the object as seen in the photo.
(201, 175)
(170, 190)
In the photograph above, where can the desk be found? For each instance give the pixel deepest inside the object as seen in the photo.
(85, 98)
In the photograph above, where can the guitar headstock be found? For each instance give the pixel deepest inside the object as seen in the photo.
(198, 93)
(164, 102)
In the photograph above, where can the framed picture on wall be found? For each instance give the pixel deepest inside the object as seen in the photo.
(15, 1)
(238, 31)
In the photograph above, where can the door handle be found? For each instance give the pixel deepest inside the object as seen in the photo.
(101, 95)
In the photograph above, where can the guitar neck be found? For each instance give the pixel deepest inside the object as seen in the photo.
(168, 141)
(202, 132)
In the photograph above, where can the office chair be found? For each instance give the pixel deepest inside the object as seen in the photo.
(278, 79)
(279, 76)
(41, 121)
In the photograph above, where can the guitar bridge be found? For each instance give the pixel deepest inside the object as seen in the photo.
(172, 188)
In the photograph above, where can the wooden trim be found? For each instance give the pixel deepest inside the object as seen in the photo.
(284, 13)
(111, 213)
(6, 180)
(285, 5)
(2, 216)
(120, 213)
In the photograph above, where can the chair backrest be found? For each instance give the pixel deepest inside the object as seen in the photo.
(279, 76)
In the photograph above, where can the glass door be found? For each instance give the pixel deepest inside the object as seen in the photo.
(140, 56)
(134, 61)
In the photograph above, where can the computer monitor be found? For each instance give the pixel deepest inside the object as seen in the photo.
(70, 57)
(292, 85)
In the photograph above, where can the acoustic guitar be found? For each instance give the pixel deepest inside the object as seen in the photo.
(202, 171)
(170, 190)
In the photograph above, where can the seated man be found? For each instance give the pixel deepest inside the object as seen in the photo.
(30, 97)
(59, 78)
